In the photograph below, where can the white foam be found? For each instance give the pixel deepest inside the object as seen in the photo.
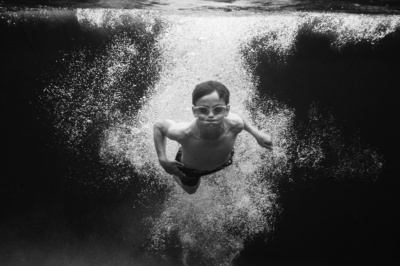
(196, 49)
(237, 202)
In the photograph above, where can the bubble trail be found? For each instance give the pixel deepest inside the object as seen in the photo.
(231, 205)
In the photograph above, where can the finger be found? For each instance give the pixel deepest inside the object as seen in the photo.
(268, 146)
(178, 173)
(174, 171)
(179, 164)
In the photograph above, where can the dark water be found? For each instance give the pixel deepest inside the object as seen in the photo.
(45, 207)
(340, 222)
(58, 207)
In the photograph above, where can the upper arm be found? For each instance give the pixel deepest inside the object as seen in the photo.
(170, 129)
(236, 121)
(244, 124)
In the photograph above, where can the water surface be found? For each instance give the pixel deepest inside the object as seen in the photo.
(83, 184)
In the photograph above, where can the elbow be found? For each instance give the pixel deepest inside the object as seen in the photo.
(157, 130)
(157, 126)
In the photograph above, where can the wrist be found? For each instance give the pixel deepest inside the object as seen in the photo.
(255, 133)
(162, 159)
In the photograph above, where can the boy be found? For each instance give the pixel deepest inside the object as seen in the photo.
(207, 141)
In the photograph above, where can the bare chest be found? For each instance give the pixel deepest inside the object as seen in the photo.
(207, 154)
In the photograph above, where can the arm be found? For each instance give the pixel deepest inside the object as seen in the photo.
(162, 130)
(263, 139)
(160, 138)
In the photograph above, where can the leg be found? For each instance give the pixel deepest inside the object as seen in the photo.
(191, 190)
(188, 189)
(190, 186)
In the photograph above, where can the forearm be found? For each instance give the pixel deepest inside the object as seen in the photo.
(250, 128)
(265, 140)
(160, 142)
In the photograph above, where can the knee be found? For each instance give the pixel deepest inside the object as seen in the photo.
(190, 190)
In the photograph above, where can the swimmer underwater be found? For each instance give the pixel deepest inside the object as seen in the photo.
(207, 141)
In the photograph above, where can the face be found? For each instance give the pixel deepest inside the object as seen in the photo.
(214, 116)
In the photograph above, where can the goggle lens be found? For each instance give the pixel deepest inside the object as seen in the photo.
(218, 110)
(203, 110)
(206, 110)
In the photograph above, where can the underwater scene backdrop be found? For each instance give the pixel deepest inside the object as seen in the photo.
(83, 82)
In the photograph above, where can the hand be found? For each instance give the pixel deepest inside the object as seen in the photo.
(171, 167)
(264, 140)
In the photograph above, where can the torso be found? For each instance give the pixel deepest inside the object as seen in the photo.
(208, 154)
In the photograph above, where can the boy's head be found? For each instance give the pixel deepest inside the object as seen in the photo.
(209, 87)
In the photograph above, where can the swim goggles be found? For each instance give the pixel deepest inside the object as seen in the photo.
(204, 110)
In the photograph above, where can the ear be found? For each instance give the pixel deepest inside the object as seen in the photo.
(194, 111)
(228, 107)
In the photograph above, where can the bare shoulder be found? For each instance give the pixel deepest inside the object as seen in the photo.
(173, 130)
(235, 121)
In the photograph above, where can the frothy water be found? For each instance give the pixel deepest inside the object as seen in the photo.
(239, 202)
(232, 205)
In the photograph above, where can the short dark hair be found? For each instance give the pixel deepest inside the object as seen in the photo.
(209, 87)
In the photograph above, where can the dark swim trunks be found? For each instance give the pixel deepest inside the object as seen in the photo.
(192, 176)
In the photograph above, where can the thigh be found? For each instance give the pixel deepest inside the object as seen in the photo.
(191, 189)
